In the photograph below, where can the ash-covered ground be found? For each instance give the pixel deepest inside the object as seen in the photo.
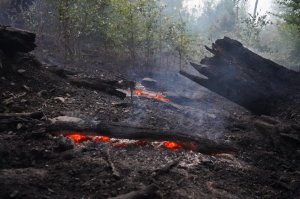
(35, 164)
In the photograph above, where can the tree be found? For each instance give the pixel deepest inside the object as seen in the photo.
(291, 17)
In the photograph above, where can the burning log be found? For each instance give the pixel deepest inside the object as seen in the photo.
(243, 77)
(13, 41)
(190, 142)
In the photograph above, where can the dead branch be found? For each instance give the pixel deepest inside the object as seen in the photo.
(33, 115)
(114, 170)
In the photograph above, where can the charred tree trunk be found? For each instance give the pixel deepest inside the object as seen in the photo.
(244, 77)
(13, 41)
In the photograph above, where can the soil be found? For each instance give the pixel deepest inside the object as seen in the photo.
(35, 164)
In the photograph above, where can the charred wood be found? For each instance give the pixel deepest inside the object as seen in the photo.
(190, 142)
(33, 115)
(106, 86)
(100, 85)
(13, 40)
(61, 72)
(244, 77)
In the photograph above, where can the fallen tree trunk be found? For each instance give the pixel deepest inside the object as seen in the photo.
(191, 142)
(13, 40)
(244, 77)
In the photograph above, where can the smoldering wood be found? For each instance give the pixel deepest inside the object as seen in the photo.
(188, 141)
(13, 40)
(244, 77)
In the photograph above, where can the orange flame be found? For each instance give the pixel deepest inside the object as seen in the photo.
(150, 94)
(172, 145)
(77, 138)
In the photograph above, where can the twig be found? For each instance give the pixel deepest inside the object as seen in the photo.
(114, 170)
(34, 115)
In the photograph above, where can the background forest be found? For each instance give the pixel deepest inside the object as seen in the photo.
(155, 33)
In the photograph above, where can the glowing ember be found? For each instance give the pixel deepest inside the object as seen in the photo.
(102, 139)
(150, 94)
(172, 145)
(78, 138)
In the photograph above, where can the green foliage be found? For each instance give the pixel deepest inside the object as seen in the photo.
(291, 17)
(251, 28)
(140, 29)
(291, 13)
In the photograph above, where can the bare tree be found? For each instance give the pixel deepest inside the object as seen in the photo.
(255, 8)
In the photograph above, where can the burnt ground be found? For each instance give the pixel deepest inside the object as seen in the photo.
(35, 164)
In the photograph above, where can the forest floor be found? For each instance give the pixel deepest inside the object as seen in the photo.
(35, 164)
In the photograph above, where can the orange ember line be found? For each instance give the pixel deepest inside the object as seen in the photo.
(78, 138)
(151, 95)
(102, 139)
(172, 145)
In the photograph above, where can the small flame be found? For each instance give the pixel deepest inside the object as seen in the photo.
(150, 94)
(172, 145)
(77, 138)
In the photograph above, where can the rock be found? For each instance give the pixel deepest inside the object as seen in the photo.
(149, 82)
(19, 126)
(21, 71)
(41, 93)
(60, 99)
(64, 144)
(14, 194)
(26, 88)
